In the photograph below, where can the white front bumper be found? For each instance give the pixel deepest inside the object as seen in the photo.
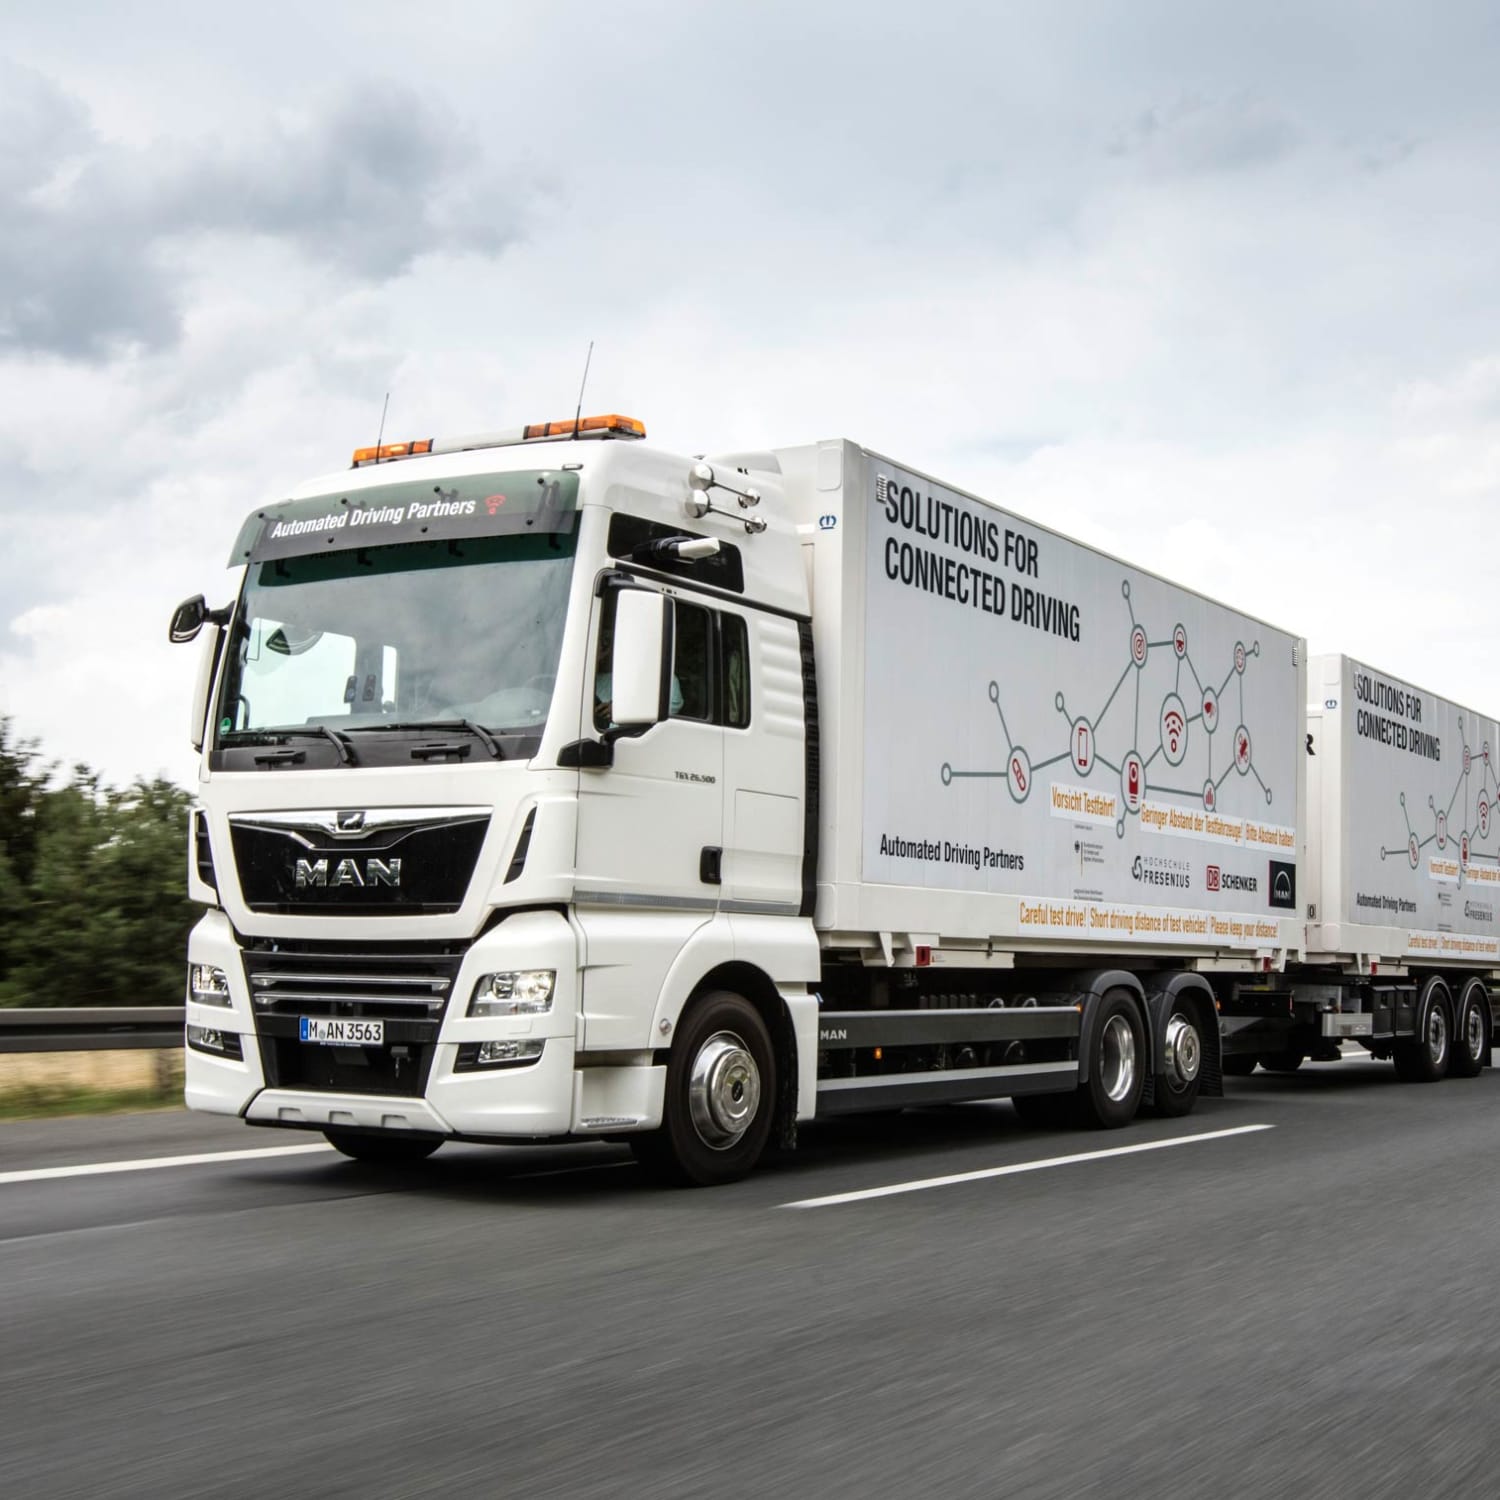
(546, 1098)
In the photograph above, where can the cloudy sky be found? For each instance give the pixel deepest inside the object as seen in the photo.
(1211, 286)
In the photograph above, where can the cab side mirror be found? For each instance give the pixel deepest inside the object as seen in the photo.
(188, 619)
(641, 664)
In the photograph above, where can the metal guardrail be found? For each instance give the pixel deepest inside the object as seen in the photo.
(109, 1028)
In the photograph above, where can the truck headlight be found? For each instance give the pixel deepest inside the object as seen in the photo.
(208, 985)
(517, 992)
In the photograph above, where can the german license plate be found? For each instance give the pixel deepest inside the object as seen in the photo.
(339, 1032)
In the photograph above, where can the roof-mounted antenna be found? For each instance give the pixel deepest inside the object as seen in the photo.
(587, 360)
(380, 436)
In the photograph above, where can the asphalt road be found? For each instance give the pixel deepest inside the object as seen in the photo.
(1301, 1311)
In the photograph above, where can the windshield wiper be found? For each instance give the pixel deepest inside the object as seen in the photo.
(340, 742)
(480, 733)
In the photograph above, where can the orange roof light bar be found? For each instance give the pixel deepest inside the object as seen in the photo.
(384, 451)
(610, 426)
(630, 426)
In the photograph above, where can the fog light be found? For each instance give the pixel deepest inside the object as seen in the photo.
(513, 1053)
(208, 985)
(491, 1053)
(518, 992)
(210, 1039)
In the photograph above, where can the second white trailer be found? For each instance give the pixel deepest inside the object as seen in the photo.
(1403, 883)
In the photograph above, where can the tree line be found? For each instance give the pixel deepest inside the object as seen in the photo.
(93, 885)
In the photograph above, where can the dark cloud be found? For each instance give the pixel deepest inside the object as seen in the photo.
(99, 236)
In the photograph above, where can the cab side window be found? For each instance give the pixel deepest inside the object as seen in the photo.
(710, 666)
(692, 658)
(734, 670)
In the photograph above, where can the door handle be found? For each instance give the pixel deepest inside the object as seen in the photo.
(711, 864)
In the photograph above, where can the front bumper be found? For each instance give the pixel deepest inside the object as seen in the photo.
(549, 1097)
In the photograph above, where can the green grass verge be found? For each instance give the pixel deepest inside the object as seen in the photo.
(40, 1102)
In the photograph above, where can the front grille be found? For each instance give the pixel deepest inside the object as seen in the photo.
(406, 985)
(292, 863)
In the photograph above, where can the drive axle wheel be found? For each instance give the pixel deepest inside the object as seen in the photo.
(1239, 1065)
(1473, 1032)
(1182, 1044)
(383, 1150)
(1424, 1059)
(720, 1096)
(1117, 1065)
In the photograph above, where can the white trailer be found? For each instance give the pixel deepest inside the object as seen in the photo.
(1403, 882)
(558, 787)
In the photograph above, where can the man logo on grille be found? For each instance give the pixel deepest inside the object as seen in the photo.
(349, 822)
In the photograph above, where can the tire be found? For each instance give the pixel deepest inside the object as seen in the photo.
(1239, 1064)
(720, 1096)
(1473, 1035)
(1282, 1062)
(1424, 1059)
(1177, 1085)
(1047, 1111)
(383, 1150)
(1117, 1065)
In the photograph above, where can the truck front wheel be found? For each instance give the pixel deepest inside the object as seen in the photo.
(720, 1096)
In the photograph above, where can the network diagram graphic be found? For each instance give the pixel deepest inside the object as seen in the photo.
(1483, 805)
(1174, 727)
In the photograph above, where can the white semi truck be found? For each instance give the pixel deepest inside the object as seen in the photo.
(555, 786)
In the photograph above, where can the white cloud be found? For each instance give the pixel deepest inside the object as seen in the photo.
(1212, 291)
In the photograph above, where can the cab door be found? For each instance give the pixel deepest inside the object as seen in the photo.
(651, 825)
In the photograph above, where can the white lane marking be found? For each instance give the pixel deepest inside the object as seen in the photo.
(1015, 1168)
(152, 1163)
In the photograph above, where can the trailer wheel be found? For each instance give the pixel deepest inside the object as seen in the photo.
(1239, 1064)
(383, 1150)
(1177, 1084)
(1117, 1065)
(1282, 1062)
(1473, 1032)
(720, 1099)
(1424, 1059)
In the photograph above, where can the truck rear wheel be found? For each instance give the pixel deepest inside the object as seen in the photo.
(1473, 1032)
(1424, 1059)
(1117, 1065)
(720, 1096)
(383, 1150)
(1177, 1084)
(1239, 1064)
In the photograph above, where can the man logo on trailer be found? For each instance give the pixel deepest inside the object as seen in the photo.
(1283, 883)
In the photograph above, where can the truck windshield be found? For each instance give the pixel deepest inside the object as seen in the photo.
(371, 638)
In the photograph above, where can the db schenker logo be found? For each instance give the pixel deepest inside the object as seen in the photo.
(1212, 883)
